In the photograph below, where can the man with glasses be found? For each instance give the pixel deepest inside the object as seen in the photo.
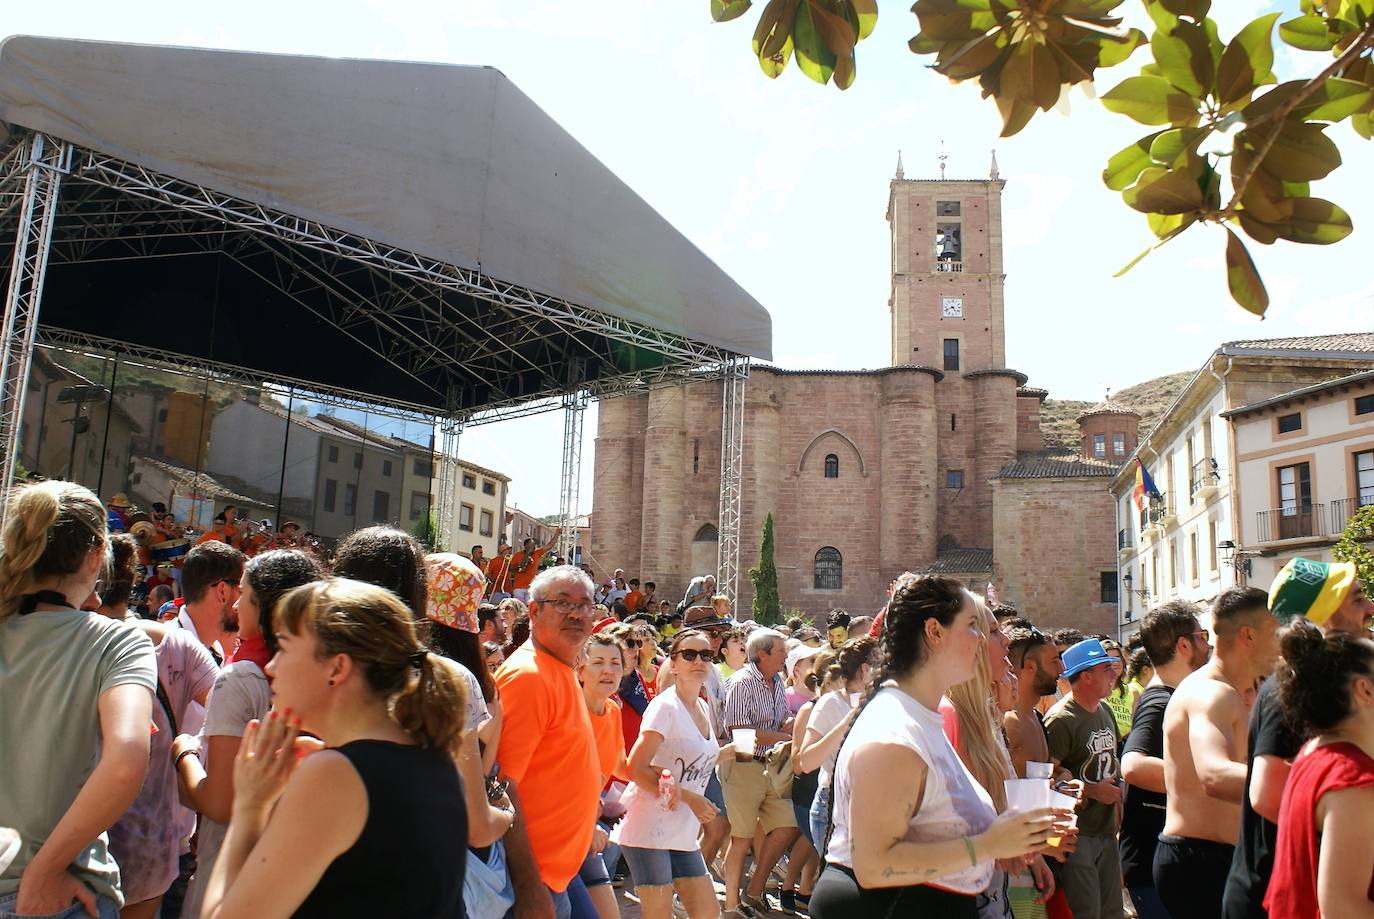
(1177, 645)
(1204, 756)
(547, 749)
(1330, 596)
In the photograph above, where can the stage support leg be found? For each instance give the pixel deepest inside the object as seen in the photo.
(446, 514)
(574, 410)
(46, 159)
(731, 476)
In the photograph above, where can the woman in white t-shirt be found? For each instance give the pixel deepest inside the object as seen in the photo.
(913, 832)
(659, 838)
(828, 724)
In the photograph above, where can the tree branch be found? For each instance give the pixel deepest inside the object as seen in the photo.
(1280, 115)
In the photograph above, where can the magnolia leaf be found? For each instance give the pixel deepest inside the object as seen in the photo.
(1333, 100)
(1363, 124)
(1221, 140)
(1161, 191)
(1184, 223)
(774, 30)
(1194, 9)
(1179, 62)
(1016, 114)
(1112, 51)
(1317, 222)
(1248, 61)
(844, 71)
(1164, 20)
(1301, 153)
(866, 11)
(1126, 165)
(835, 31)
(1308, 33)
(1257, 230)
(1030, 74)
(814, 58)
(1241, 277)
(1163, 225)
(1173, 146)
(774, 65)
(1151, 100)
(725, 10)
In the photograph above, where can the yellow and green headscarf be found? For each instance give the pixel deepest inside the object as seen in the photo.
(1312, 590)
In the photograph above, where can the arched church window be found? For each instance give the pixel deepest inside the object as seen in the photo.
(707, 533)
(832, 466)
(829, 569)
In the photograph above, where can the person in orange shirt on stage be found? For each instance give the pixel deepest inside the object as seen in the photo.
(524, 565)
(479, 558)
(498, 574)
(222, 530)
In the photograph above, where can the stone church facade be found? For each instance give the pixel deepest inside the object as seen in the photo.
(934, 463)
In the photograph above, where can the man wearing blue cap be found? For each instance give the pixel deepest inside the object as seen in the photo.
(1083, 739)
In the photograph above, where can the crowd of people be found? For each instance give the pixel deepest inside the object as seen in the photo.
(378, 730)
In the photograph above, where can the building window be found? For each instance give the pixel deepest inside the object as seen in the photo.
(333, 453)
(357, 460)
(381, 506)
(1193, 556)
(953, 422)
(1364, 478)
(469, 480)
(1295, 489)
(1100, 446)
(951, 354)
(465, 517)
(1290, 423)
(331, 493)
(954, 478)
(486, 519)
(1173, 565)
(696, 455)
(1364, 405)
(423, 467)
(162, 415)
(488, 487)
(419, 504)
(1118, 444)
(707, 533)
(946, 208)
(948, 247)
(386, 468)
(832, 466)
(829, 569)
(1109, 592)
(350, 502)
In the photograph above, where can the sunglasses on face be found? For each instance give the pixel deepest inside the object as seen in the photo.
(692, 655)
(633, 642)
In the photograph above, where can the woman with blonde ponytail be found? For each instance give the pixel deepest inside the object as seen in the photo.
(374, 824)
(76, 689)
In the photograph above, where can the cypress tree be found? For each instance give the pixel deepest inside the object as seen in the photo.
(767, 608)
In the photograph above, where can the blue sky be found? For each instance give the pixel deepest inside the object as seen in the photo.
(784, 183)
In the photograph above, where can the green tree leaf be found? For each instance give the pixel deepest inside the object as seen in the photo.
(1151, 100)
(1177, 225)
(1030, 74)
(1184, 59)
(1241, 277)
(1301, 153)
(1317, 222)
(815, 59)
(1171, 147)
(1161, 191)
(725, 10)
(1248, 61)
(1127, 164)
(866, 11)
(773, 35)
(1308, 33)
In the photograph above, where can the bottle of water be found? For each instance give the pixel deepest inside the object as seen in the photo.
(665, 789)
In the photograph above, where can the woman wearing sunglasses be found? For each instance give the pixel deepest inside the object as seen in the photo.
(658, 835)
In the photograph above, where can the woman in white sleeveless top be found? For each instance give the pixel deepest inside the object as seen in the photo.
(912, 832)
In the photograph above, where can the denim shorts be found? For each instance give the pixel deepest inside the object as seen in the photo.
(715, 793)
(593, 872)
(104, 905)
(659, 867)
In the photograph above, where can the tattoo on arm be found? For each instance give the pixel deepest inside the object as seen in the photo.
(891, 872)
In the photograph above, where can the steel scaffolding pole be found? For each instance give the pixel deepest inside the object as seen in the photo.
(45, 160)
(450, 432)
(731, 474)
(574, 410)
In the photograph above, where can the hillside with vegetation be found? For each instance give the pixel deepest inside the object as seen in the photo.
(1150, 399)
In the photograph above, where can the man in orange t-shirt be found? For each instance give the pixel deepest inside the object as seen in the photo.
(524, 565)
(547, 748)
(498, 574)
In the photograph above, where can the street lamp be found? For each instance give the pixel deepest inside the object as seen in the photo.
(77, 396)
(1237, 558)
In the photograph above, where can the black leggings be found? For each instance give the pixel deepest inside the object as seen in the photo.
(1190, 875)
(839, 896)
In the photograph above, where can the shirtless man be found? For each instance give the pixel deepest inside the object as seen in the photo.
(1035, 659)
(1205, 746)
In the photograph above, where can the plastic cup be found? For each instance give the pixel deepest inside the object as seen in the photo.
(1056, 840)
(744, 741)
(1026, 794)
(1039, 770)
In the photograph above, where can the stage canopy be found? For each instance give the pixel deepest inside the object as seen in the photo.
(422, 235)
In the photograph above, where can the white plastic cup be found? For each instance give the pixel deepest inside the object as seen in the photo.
(1039, 770)
(9, 846)
(1027, 794)
(744, 741)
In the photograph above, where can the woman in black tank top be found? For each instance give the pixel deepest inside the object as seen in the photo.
(374, 824)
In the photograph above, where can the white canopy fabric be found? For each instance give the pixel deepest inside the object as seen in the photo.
(449, 162)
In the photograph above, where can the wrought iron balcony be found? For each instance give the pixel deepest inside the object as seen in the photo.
(1297, 522)
(1342, 509)
(1203, 479)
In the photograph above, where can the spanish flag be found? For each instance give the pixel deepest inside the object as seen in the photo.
(1144, 485)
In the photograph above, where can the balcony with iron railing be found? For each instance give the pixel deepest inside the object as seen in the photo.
(1304, 521)
(1203, 479)
(1342, 509)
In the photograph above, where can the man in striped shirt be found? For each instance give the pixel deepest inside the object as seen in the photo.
(755, 698)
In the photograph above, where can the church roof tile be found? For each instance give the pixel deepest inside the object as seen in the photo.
(1046, 467)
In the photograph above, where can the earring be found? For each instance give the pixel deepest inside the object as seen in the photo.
(331, 682)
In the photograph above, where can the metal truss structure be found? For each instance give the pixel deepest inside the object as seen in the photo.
(38, 163)
(447, 471)
(736, 375)
(477, 349)
(574, 410)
